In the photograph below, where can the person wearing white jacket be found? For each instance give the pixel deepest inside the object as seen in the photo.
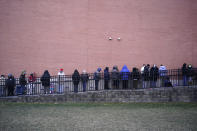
(163, 74)
(61, 79)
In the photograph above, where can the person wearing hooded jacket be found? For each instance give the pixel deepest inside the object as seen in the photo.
(97, 77)
(115, 76)
(154, 71)
(45, 79)
(106, 78)
(185, 74)
(76, 79)
(23, 81)
(125, 76)
(10, 84)
(135, 76)
(84, 79)
(163, 74)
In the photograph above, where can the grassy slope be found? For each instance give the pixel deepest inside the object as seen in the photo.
(104, 116)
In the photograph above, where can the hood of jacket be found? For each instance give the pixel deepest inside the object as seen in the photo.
(125, 69)
(162, 68)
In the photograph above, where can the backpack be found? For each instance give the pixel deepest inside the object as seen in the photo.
(97, 76)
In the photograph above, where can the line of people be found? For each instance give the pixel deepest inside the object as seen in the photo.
(148, 75)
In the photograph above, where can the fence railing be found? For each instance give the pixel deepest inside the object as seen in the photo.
(133, 80)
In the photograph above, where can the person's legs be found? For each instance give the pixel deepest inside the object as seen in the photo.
(184, 80)
(114, 84)
(96, 84)
(117, 84)
(4, 91)
(143, 84)
(75, 88)
(135, 84)
(46, 89)
(152, 85)
(123, 84)
(84, 86)
(126, 84)
(106, 85)
(9, 91)
(12, 91)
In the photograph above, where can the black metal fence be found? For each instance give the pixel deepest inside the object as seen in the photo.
(133, 80)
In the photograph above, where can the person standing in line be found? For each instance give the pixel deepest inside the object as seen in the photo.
(31, 79)
(45, 79)
(154, 71)
(184, 74)
(190, 74)
(142, 74)
(76, 79)
(3, 87)
(61, 80)
(10, 84)
(163, 74)
(23, 82)
(97, 77)
(135, 76)
(125, 76)
(115, 76)
(84, 79)
(146, 76)
(106, 78)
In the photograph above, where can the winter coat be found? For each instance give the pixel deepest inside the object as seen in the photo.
(97, 75)
(190, 72)
(106, 75)
(115, 75)
(32, 78)
(22, 80)
(146, 74)
(135, 74)
(76, 77)
(125, 73)
(162, 71)
(10, 82)
(154, 72)
(84, 77)
(45, 79)
(184, 70)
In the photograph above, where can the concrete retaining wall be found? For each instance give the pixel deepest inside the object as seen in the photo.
(178, 94)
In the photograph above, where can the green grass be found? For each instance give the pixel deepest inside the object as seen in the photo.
(99, 116)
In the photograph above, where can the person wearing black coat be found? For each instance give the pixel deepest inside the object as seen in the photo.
(76, 79)
(10, 84)
(45, 79)
(146, 76)
(23, 81)
(135, 76)
(84, 79)
(115, 76)
(184, 74)
(97, 77)
(106, 78)
(154, 72)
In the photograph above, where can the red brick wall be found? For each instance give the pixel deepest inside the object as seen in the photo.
(50, 34)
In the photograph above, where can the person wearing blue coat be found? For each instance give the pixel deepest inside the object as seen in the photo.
(125, 76)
